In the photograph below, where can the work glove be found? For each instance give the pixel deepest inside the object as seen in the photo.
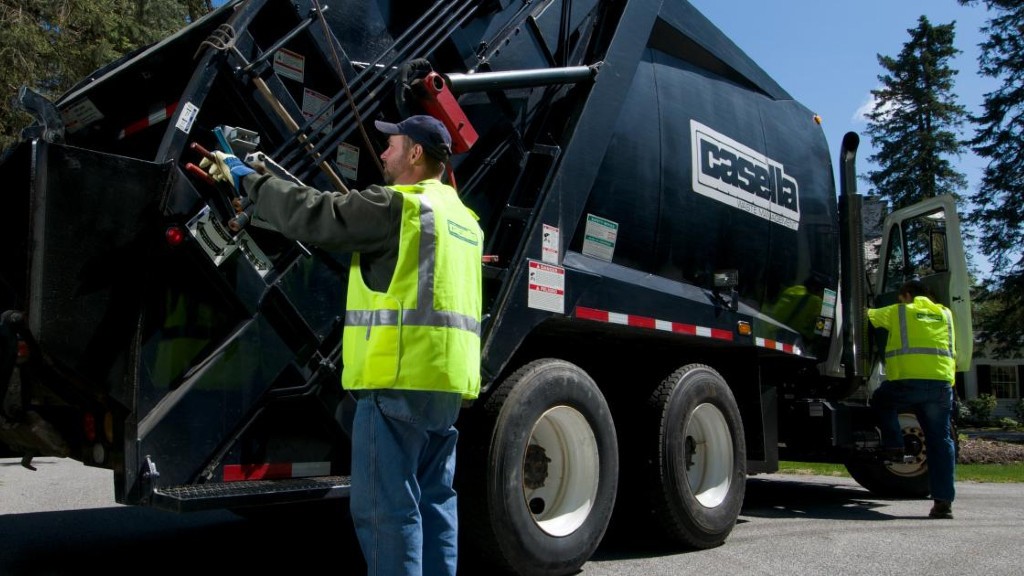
(226, 168)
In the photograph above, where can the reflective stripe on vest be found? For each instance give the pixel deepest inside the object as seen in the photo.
(905, 347)
(424, 314)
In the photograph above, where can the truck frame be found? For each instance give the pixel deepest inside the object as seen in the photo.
(674, 292)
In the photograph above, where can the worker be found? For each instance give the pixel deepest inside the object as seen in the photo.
(411, 341)
(919, 368)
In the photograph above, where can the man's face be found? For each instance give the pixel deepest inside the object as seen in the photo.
(397, 160)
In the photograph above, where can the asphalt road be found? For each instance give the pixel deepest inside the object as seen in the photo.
(62, 520)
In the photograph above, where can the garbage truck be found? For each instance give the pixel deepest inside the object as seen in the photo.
(674, 289)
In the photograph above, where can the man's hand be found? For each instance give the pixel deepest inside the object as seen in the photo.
(226, 168)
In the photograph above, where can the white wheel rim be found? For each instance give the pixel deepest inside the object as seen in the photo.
(910, 426)
(709, 467)
(560, 471)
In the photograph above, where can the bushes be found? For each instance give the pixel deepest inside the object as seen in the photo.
(978, 410)
(1008, 423)
(1018, 408)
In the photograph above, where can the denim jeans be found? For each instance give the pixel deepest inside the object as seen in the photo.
(932, 402)
(403, 465)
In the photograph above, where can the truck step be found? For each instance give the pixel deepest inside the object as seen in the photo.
(197, 497)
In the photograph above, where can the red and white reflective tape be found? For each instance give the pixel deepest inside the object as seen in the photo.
(776, 345)
(236, 472)
(651, 323)
(154, 118)
(654, 324)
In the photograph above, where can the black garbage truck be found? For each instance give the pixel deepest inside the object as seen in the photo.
(674, 289)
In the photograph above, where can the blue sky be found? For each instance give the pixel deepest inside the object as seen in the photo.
(824, 53)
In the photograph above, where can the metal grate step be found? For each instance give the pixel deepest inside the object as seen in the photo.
(196, 497)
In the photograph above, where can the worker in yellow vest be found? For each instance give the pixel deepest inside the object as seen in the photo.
(920, 367)
(411, 342)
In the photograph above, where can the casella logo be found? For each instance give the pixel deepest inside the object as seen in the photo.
(741, 177)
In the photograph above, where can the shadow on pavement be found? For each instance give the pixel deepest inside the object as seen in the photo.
(127, 540)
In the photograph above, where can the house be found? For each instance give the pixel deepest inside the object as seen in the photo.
(1000, 377)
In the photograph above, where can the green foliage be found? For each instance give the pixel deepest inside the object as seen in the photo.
(1018, 409)
(980, 409)
(963, 415)
(915, 121)
(50, 45)
(999, 199)
(996, 473)
(1008, 423)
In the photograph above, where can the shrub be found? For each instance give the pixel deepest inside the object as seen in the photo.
(1007, 423)
(963, 414)
(981, 408)
(1019, 409)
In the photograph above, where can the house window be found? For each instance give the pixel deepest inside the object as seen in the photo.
(1004, 382)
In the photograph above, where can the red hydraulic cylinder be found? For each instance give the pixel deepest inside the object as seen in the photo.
(439, 102)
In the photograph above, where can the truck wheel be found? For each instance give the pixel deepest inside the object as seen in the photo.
(896, 480)
(699, 461)
(551, 472)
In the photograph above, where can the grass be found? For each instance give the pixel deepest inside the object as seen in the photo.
(993, 473)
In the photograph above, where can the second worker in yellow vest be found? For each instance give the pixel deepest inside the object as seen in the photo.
(920, 368)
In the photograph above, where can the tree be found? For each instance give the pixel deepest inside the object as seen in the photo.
(915, 121)
(998, 202)
(999, 199)
(48, 45)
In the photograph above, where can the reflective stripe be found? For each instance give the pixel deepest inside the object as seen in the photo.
(412, 318)
(424, 314)
(905, 338)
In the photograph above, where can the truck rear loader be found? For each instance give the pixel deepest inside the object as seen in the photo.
(674, 292)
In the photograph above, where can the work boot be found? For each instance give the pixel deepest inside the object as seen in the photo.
(942, 509)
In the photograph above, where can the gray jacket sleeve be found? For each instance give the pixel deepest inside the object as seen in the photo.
(357, 221)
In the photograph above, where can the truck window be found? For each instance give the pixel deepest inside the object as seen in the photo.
(917, 249)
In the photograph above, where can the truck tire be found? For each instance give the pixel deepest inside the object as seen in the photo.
(698, 464)
(896, 480)
(550, 474)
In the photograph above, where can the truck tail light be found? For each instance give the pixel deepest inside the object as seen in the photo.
(89, 426)
(174, 235)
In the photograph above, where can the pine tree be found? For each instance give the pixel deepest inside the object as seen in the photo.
(49, 45)
(998, 202)
(916, 120)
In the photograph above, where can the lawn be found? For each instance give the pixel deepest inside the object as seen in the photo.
(964, 472)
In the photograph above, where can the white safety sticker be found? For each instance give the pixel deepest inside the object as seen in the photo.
(546, 287)
(188, 115)
(312, 104)
(289, 64)
(828, 312)
(347, 159)
(80, 115)
(550, 244)
(599, 237)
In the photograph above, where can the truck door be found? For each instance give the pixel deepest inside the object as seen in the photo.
(923, 241)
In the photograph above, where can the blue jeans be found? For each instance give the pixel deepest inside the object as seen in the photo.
(403, 465)
(932, 402)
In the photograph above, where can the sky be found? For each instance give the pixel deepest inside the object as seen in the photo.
(825, 54)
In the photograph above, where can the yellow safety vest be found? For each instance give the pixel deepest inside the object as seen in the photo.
(921, 342)
(423, 333)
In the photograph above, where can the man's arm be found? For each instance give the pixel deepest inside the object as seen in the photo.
(359, 221)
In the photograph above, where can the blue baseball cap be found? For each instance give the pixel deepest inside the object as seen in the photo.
(424, 130)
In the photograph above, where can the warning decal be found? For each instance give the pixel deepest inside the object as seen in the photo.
(289, 64)
(547, 287)
(549, 245)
